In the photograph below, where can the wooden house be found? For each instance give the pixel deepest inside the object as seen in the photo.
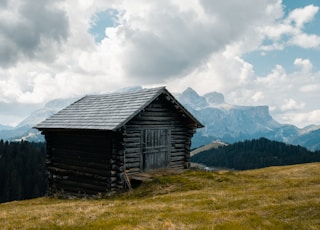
(96, 143)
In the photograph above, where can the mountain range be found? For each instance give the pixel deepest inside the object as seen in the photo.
(233, 123)
(24, 130)
(223, 122)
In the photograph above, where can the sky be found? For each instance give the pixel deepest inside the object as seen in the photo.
(262, 52)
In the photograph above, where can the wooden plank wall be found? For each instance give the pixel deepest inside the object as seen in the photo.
(79, 162)
(160, 114)
(91, 162)
(117, 162)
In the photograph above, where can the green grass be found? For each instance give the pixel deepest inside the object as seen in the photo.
(285, 197)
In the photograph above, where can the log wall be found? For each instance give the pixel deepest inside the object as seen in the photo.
(79, 162)
(159, 115)
(92, 162)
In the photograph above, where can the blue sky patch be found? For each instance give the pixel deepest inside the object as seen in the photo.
(264, 62)
(290, 5)
(100, 21)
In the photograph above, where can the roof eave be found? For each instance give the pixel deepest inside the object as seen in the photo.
(183, 109)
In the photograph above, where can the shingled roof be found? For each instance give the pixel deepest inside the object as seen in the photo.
(108, 111)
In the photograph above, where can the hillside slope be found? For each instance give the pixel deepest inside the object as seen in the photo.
(253, 154)
(271, 198)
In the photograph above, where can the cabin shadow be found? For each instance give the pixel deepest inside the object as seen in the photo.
(135, 183)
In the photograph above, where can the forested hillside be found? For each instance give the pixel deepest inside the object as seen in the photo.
(255, 154)
(22, 170)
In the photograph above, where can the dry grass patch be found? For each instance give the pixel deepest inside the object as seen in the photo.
(271, 198)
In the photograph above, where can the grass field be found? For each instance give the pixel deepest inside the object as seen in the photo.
(286, 197)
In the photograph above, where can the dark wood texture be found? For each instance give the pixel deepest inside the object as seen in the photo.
(88, 161)
(157, 137)
(79, 161)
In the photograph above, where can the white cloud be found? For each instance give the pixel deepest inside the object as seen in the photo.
(300, 119)
(27, 28)
(199, 43)
(305, 64)
(310, 88)
(154, 42)
(276, 31)
(305, 40)
(258, 96)
(9, 89)
(167, 40)
(303, 15)
(289, 31)
(291, 104)
(221, 73)
(274, 79)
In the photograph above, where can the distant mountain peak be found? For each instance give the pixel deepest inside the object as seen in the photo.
(192, 98)
(214, 98)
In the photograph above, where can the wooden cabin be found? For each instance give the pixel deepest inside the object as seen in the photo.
(95, 144)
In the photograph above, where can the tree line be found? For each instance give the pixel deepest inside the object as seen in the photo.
(22, 170)
(252, 154)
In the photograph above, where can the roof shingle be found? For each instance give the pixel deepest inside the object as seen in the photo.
(103, 112)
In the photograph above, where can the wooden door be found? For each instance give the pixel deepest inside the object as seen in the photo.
(155, 149)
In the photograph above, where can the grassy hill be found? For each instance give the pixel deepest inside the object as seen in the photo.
(286, 197)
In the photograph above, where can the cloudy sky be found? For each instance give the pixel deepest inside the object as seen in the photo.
(264, 52)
